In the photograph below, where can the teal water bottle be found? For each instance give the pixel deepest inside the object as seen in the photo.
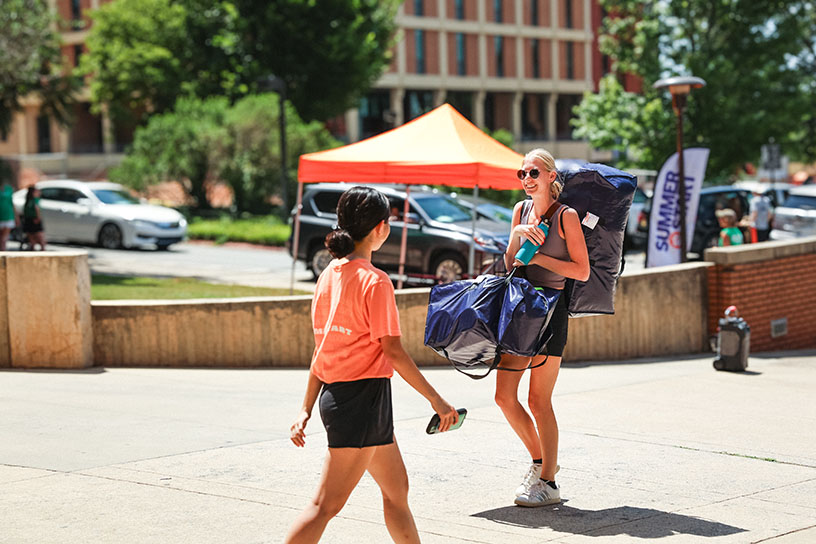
(528, 249)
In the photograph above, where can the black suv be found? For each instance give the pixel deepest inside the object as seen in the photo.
(439, 233)
(707, 228)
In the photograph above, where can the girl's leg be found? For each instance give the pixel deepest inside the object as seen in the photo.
(4, 234)
(342, 470)
(507, 398)
(542, 382)
(388, 471)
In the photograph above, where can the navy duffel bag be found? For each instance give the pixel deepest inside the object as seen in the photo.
(472, 322)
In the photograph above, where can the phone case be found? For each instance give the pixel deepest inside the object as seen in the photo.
(433, 425)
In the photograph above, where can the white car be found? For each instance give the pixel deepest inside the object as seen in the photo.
(103, 213)
(796, 216)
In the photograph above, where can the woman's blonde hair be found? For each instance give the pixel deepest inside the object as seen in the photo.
(549, 163)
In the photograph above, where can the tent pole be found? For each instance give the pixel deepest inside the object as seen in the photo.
(472, 250)
(296, 237)
(404, 241)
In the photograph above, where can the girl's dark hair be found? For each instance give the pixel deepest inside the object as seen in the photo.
(359, 210)
(30, 193)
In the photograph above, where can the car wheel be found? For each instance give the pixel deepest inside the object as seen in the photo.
(110, 236)
(163, 247)
(448, 267)
(319, 260)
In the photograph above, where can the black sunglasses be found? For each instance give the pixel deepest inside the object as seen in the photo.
(534, 173)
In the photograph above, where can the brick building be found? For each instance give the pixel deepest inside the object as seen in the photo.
(520, 65)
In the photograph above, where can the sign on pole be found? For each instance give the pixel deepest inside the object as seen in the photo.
(664, 222)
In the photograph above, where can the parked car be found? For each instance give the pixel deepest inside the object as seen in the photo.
(707, 228)
(103, 213)
(633, 237)
(439, 233)
(491, 211)
(797, 215)
(776, 192)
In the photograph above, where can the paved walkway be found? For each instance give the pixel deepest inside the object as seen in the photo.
(668, 449)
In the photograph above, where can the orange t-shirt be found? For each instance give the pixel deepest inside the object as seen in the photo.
(353, 307)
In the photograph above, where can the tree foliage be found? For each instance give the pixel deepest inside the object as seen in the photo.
(144, 54)
(208, 140)
(31, 63)
(755, 55)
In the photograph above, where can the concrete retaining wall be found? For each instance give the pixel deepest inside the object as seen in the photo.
(45, 311)
(659, 312)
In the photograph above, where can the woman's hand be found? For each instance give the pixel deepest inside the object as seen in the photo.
(447, 414)
(298, 429)
(530, 232)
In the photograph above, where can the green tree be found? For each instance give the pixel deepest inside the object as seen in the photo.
(744, 49)
(31, 63)
(144, 54)
(176, 145)
(209, 140)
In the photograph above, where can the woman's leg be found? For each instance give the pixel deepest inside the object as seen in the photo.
(388, 471)
(507, 398)
(4, 234)
(542, 382)
(342, 470)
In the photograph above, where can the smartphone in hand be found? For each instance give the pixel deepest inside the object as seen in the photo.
(433, 425)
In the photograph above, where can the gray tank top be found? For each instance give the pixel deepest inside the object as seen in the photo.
(554, 246)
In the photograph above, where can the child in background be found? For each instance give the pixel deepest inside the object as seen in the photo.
(357, 339)
(32, 219)
(730, 235)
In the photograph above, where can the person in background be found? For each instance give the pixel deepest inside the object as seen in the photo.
(730, 234)
(761, 213)
(32, 219)
(8, 217)
(358, 347)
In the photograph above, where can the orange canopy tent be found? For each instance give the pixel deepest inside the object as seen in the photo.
(440, 147)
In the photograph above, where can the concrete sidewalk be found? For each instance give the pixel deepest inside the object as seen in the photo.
(668, 449)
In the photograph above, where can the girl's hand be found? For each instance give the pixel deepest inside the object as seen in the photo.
(298, 429)
(530, 232)
(447, 414)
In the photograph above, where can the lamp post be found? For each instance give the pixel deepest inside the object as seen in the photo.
(275, 84)
(680, 87)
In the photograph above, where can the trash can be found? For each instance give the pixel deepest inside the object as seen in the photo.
(733, 342)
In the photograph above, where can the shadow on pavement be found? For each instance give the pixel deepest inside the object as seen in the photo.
(622, 520)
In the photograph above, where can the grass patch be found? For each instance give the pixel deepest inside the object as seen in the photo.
(268, 230)
(105, 287)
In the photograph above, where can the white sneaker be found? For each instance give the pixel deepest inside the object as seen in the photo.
(533, 475)
(540, 494)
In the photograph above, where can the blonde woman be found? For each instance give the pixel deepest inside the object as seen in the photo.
(563, 254)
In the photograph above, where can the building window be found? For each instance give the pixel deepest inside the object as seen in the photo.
(535, 59)
(375, 113)
(462, 101)
(534, 117)
(461, 67)
(498, 43)
(460, 9)
(415, 103)
(563, 114)
(77, 54)
(570, 60)
(534, 12)
(419, 36)
(76, 10)
(497, 11)
(568, 13)
(43, 134)
(419, 8)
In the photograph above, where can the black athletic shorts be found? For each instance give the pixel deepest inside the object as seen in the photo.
(358, 414)
(558, 327)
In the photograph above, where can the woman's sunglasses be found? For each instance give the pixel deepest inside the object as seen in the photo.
(533, 173)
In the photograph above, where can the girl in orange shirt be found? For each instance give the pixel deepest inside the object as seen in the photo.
(357, 348)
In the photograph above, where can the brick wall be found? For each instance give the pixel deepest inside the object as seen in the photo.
(766, 282)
